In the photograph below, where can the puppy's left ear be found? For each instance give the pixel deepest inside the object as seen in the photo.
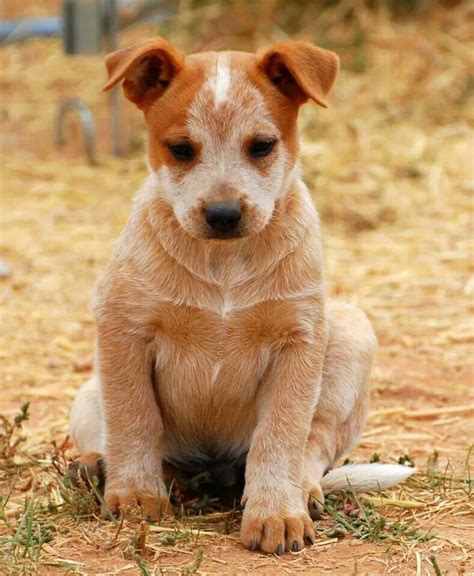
(300, 70)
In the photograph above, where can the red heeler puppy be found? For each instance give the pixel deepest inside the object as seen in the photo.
(216, 342)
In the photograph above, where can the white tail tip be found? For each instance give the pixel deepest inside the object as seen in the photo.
(365, 477)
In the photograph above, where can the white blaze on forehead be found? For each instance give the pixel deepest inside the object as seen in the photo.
(246, 113)
(221, 79)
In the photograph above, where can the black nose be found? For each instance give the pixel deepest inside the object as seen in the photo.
(223, 216)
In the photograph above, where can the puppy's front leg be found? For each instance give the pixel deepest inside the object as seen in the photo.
(134, 427)
(275, 515)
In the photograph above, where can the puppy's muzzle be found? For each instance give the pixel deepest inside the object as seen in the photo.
(223, 218)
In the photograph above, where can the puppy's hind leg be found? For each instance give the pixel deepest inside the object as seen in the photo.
(87, 431)
(343, 404)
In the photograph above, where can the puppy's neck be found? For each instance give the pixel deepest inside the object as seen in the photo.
(228, 263)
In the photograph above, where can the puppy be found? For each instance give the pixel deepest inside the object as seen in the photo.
(215, 340)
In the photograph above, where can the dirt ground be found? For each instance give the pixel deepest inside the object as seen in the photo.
(391, 167)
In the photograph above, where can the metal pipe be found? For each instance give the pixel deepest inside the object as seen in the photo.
(87, 122)
(24, 28)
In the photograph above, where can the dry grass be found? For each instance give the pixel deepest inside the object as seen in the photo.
(390, 164)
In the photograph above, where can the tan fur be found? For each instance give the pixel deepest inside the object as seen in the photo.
(215, 348)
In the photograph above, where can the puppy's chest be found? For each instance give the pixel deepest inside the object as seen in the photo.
(198, 345)
(204, 353)
(208, 368)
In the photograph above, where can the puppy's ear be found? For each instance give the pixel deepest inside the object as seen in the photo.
(300, 70)
(147, 68)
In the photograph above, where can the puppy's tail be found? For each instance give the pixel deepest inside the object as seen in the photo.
(365, 477)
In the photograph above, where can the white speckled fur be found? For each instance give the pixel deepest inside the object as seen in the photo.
(223, 161)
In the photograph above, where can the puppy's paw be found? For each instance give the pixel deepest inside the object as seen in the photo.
(315, 500)
(147, 503)
(274, 531)
(88, 470)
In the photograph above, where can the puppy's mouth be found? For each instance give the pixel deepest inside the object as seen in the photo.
(233, 234)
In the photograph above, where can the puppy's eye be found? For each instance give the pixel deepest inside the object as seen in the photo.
(182, 151)
(261, 147)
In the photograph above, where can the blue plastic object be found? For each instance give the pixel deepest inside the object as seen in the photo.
(21, 29)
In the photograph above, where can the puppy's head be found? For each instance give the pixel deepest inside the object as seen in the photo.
(222, 140)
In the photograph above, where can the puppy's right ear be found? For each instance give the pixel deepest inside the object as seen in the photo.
(147, 68)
